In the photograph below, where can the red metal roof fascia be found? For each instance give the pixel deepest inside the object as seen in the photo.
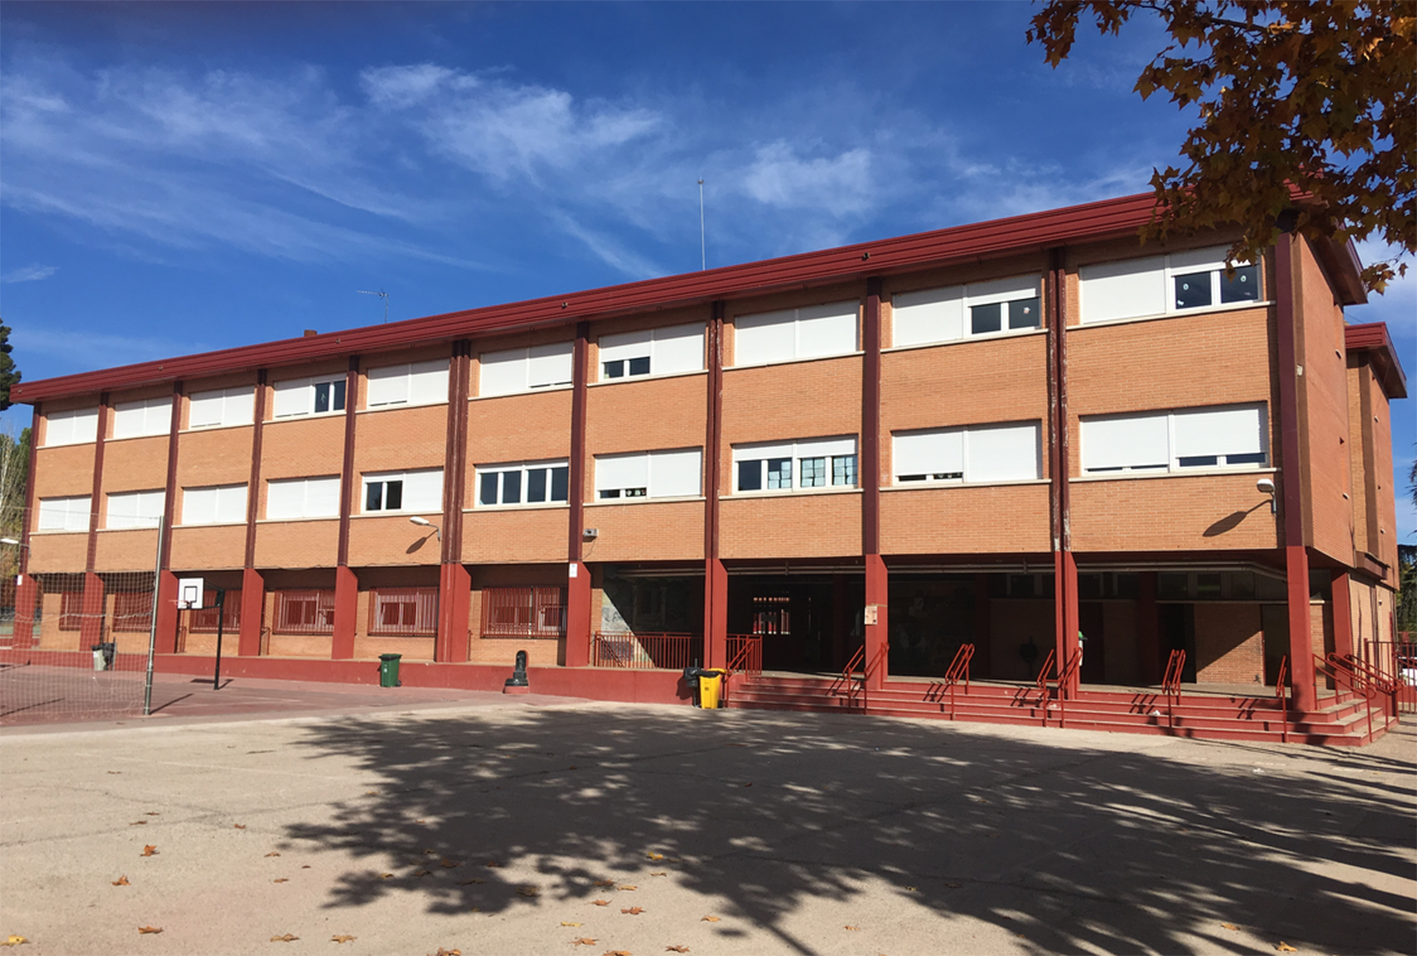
(1105, 219)
(1373, 337)
(1339, 260)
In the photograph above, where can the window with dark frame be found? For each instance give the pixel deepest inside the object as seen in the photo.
(204, 620)
(305, 612)
(403, 612)
(525, 612)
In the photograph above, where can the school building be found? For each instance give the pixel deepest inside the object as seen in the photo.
(863, 459)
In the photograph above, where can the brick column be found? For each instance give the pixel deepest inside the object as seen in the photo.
(1065, 572)
(715, 574)
(578, 629)
(1342, 615)
(868, 469)
(253, 584)
(454, 582)
(346, 581)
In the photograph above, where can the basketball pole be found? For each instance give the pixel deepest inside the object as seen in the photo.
(152, 624)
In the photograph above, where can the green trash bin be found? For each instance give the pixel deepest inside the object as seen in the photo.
(389, 670)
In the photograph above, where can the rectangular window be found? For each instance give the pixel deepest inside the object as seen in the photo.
(525, 483)
(650, 474)
(528, 612)
(204, 620)
(150, 416)
(780, 466)
(71, 611)
(981, 454)
(1225, 437)
(403, 612)
(305, 612)
(417, 383)
(1164, 285)
(133, 612)
(73, 427)
(64, 514)
(221, 407)
(679, 348)
(321, 395)
(795, 334)
(404, 491)
(135, 509)
(524, 370)
(291, 498)
(219, 504)
(957, 312)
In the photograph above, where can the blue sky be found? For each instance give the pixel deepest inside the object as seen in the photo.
(184, 177)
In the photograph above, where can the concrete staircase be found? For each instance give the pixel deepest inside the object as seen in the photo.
(1341, 719)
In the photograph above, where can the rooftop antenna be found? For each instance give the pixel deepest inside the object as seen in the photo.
(703, 254)
(381, 294)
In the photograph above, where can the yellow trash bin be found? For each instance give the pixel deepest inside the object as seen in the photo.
(710, 685)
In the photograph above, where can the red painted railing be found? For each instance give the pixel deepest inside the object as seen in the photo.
(1065, 680)
(843, 685)
(1396, 661)
(1364, 680)
(1042, 683)
(646, 651)
(1171, 684)
(1279, 687)
(959, 668)
(745, 654)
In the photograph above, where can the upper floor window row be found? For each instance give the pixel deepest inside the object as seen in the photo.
(72, 427)
(135, 509)
(524, 370)
(518, 483)
(678, 348)
(649, 474)
(1219, 437)
(64, 514)
(1165, 285)
(791, 335)
(961, 311)
(221, 407)
(415, 383)
(214, 504)
(293, 498)
(318, 395)
(420, 490)
(149, 416)
(975, 454)
(782, 466)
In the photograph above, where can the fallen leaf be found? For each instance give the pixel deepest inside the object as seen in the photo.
(305, 866)
(676, 949)
(386, 876)
(238, 826)
(583, 941)
(154, 813)
(475, 909)
(149, 929)
(273, 853)
(911, 889)
(494, 864)
(470, 882)
(709, 919)
(604, 883)
(138, 823)
(660, 873)
(449, 864)
(430, 852)
(599, 902)
(616, 952)
(564, 923)
(283, 879)
(447, 952)
(115, 771)
(656, 856)
(854, 929)
(122, 881)
(1284, 947)
(13, 941)
(528, 891)
(371, 793)
(1230, 926)
(149, 850)
(422, 873)
(343, 939)
(287, 938)
(628, 887)
(634, 910)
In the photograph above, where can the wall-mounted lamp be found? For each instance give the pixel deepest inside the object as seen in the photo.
(425, 523)
(1265, 486)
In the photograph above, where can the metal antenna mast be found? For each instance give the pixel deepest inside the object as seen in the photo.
(703, 253)
(381, 294)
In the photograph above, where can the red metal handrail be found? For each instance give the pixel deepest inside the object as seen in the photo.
(843, 684)
(1042, 683)
(745, 654)
(1279, 683)
(871, 667)
(1065, 680)
(959, 667)
(636, 651)
(1365, 680)
(1171, 684)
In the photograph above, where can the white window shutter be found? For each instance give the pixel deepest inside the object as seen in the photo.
(206, 409)
(502, 373)
(827, 329)
(931, 315)
(199, 505)
(428, 382)
(71, 427)
(1119, 290)
(761, 451)
(764, 338)
(679, 348)
(675, 474)
(293, 397)
(147, 417)
(388, 386)
(1200, 260)
(626, 345)
(549, 364)
(1125, 442)
(1002, 453)
(824, 447)
(1003, 290)
(322, 497)
(1220, 431)
(423, 490)
(928, 453)
(621, 471)
(64, 514)
(231, 504)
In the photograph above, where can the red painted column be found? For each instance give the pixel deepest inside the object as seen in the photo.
(1148, 630)
(346, 581)
(167, 613)
(1296, 557)
(715, 574)
(91, 623)
(1065, 576)
(27, 590)
(1065, 604)
(868, 469)
(253, 584)
(1342, 616)
(877, 634)
(454, 581)
(578, 629)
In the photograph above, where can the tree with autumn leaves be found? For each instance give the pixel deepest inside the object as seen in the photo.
(1309, 96)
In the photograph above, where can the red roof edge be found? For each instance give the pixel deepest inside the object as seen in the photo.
(1373, 338)
(1109, 218)
(1339, 260)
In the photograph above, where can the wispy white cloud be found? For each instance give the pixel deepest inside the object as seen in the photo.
(82, 349)
(31, 273)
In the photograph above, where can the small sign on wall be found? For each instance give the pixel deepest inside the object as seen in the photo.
(872, 614)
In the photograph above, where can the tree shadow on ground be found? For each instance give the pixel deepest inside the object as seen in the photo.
(1079, 847)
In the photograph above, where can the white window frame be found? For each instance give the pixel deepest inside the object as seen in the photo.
(143, 418)
(765, 454)
(1169, 267)
(311, 386)
(415, 491)
(1175, 462)
(424, 383)
(971, 469)
(804, 347)
(656, 486)
(234, 406)
(950, 308)
(521, 469)
(126, 510)
(222, 497)
(309, 483)
(530, 358)
(64, 514)
(650, 346)
(73, 426)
